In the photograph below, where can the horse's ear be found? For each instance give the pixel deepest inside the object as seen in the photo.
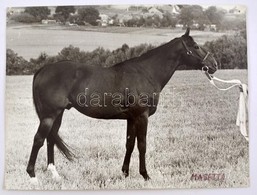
(187, 32)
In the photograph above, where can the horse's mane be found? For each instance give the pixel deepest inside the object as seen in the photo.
(149, 53)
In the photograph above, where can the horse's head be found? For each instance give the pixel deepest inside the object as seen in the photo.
(196, 56)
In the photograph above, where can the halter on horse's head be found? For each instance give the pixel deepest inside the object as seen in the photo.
(197, 56)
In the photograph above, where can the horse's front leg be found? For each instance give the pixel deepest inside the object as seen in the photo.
(130, 143)
(141, 132)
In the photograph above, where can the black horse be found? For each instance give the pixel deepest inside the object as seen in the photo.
(128, 90)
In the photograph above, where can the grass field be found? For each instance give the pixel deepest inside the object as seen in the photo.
(192, 132)
(29, 41)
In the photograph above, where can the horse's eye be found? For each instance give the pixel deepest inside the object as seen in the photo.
(196, 47)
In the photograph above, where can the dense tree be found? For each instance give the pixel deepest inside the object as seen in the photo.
(199, 16)
(39, 13)
(63, 12)
(190, 15)
(168, 20)
(230, 51)
(214, 15)
(24, 18)
(89, 15)
(186, 16)
(16, 64)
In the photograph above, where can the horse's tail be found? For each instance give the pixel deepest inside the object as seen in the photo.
(62, 146)
(36, 99)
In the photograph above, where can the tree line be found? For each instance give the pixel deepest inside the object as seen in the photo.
(62, 14)
(229, 51)
(190, 15)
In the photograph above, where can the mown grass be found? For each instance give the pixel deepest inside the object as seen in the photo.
(193, 131)
(30, 41)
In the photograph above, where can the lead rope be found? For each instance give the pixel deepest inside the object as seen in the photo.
(243, 100)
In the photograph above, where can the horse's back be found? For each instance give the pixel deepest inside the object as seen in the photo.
(55, 71)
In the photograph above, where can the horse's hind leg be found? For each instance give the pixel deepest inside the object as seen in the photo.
(44, 128)
(50, 147)
(50, 140)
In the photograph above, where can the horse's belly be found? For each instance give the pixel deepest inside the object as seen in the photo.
(103, 112)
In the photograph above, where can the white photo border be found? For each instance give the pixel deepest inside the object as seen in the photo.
(252, 82)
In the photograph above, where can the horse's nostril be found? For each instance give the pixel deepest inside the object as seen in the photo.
(205, 68)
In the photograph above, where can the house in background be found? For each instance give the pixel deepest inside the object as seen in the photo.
(235, 11)
(123, 18)
(105, 20)
(171, 9)
(151, 11)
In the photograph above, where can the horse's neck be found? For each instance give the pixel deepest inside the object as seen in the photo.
(161, 63)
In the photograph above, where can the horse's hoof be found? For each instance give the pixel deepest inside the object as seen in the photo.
(55, 175)
(57, 178)
(145, 176)
(125, 173)
(34, 181)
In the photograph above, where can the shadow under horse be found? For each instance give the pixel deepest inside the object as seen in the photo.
(128, 90)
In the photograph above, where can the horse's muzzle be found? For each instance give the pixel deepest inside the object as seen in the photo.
(209, 70)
